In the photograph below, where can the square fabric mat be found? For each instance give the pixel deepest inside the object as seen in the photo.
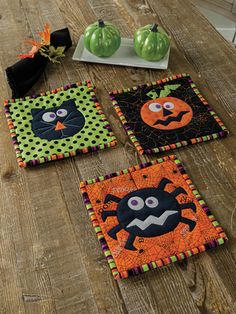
(57, 124)
(166, 114)
(148, 216)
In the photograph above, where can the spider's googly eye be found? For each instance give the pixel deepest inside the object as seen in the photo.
(151, 202)
(135, 203)
(49, 116)
(61, 112)
(155, 107)
(169, 105)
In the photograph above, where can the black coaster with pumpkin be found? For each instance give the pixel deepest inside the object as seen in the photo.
(166, 114)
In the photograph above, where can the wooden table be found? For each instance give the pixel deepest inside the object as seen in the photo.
(226, 8)
(51, 261)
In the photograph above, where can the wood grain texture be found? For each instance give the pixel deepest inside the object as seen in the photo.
(234, 7)
(226, 8)
(51, 261)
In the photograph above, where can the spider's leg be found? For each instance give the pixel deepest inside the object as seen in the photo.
(188, 205)
(108, 213)
(129, 243)
(189, 222)
(110, 197)
(162, 184)
(178, 191)
(112, 233)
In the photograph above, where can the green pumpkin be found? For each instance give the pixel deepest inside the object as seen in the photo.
(151, 42)
(102, 39)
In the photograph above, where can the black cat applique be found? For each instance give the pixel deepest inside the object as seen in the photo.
(58, 122)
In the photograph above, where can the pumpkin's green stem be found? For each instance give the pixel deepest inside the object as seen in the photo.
(154, 28)
(101, 23)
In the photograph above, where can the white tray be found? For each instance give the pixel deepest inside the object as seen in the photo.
(125, 55)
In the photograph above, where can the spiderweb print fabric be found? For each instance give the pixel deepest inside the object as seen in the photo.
(148, 216)
(58, 124)
(195, 122)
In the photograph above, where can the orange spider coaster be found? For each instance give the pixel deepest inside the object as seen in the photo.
(148, 216)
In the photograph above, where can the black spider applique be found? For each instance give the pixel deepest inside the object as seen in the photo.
(148, 212)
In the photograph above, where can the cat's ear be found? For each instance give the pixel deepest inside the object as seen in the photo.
(71, 103)
(35, 112)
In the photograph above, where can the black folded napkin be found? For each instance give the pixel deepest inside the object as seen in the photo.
(24, 74)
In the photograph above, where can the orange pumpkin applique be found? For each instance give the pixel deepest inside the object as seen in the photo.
(166, 113)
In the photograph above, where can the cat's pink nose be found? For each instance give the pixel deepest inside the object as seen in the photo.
(59, 126)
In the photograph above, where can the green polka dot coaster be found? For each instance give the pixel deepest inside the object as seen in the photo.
(57, 124)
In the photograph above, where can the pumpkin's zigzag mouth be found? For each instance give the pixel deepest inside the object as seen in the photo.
(171, 119)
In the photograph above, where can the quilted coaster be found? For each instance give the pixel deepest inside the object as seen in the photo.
(166, 114)
(148, 216)
(57, 124)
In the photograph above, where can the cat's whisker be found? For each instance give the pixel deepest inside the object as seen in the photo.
(47, 123)
(48, 130)
(75, 118)
(74, 125)
(65, 121)
(68, 116)
(62, 134)
(45, 127)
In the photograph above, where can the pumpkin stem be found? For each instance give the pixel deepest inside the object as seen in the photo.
(101, 23)
(154, 28)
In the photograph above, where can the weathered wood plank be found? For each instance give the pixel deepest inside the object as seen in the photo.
(51, 260)
(226, 10)
(144, 303)
(234, 7)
